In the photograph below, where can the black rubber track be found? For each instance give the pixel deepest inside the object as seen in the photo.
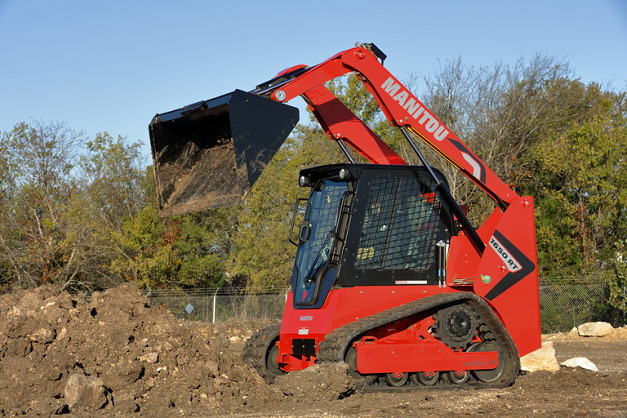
(256, 350)
(335, 344)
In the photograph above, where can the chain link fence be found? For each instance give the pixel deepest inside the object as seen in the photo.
(568, 302)
(214, 305)
(564, 304)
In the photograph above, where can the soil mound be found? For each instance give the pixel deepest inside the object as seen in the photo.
(115, 354)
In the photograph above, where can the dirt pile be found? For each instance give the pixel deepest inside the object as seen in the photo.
(60, 353)
(328, 382)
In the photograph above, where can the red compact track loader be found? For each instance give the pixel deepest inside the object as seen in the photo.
(390, 275)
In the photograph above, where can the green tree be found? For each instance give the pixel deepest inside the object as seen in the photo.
(617, 287)
(180, 252)
(63, 199)
(39, 240)
(114, 178)
(145, 246)
(113, 189)
(580, 182)
(550, 136)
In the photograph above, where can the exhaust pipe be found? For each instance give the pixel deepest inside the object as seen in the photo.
(209, 154)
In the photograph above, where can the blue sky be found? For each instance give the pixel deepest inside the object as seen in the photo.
(111, 65)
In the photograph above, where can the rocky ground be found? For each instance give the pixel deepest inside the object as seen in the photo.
(115, 355)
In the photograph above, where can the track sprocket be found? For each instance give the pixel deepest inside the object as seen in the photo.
(456, 326)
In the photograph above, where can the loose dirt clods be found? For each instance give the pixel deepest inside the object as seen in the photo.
(53, 346)
(115, 355)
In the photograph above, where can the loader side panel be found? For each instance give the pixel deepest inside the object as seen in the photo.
(509, 275)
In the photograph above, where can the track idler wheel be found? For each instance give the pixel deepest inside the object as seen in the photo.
(490, 375)
(272, 365)
(360, 379)
(261, 352)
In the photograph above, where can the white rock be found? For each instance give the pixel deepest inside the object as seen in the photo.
(541, 359)
(595, 329)
(582, 362)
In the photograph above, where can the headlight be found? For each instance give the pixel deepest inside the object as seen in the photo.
(303, 181)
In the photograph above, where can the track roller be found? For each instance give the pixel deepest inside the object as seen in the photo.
(396, 378)
(425, 378)
(458, 376)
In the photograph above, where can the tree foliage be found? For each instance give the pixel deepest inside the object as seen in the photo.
(579, 180)
(81, 213)
(499, 112)
(39, 237)
(185, 251)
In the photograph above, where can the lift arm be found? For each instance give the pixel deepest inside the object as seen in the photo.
(399, 105)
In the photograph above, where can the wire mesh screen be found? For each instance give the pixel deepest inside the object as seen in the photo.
(399, 227)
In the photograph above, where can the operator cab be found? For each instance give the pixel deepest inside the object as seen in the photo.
(369, 225)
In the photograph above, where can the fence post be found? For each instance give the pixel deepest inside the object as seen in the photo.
(215, 298)
(624, 322)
